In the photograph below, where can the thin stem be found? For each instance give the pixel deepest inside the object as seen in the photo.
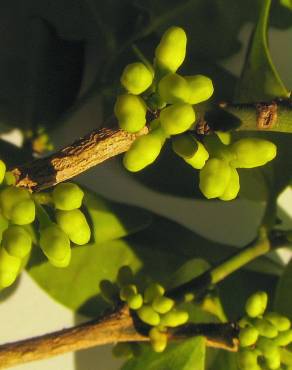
(273, 116)
(258, 248)
(203, 282)
(142, 57)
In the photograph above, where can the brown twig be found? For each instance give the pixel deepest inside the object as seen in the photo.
(118, 326)
(87, 152)
(105, 143)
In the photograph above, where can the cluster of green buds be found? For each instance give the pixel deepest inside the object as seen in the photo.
(159, 89)
(151, 306)
(17, 213)
(262, 336)
(218, 160)
(70, 224)
(169, 97)
(21, 215)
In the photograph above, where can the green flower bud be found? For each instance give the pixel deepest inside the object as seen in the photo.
(136, 78)
(109, 291)
(171, 51)
(233, 186)
(162, 304)
(252, 152)
(191, 150)
(284, 338)
(224, 136)
(174, 318)
(17, 241)
(67, 196)
(2, 171)
(214, 178)
(130, 111)
(177, 118)
(282, 323)
(135, 301)
(9, 268)
(273, 363)
(125, 276)
(266, 345)
(143, 151)
(148, 315)
(201, 88)
(153, 291)
(3, 224)
(217, 149)
(273, 358)
(173, 88)
(248, 336)
(75, 225)
(56, 245)
(9, 178)
(157, 131)
(244, 322)
(23, 213)
(265, 328)
(127, 291)
(10, 197)
(247, 360)
(158, 340)
(256, 304)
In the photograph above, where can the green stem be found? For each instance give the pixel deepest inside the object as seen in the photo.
(142, 57)
(203, 282)
(258, 248)
(275, 116)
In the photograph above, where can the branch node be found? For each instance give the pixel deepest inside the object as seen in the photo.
(266, 115)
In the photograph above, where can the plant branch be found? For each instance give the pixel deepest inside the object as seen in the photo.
(262, 245)
(262, 116)
(118, 326)
(89, 151)
(105, 143)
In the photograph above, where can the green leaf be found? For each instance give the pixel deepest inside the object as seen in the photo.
(40, 73)
(187, 272)
(111, 220)
(224, 360)
(259, 79)
(153, 254)
(283, 297)
(287, 3)
(187, 355)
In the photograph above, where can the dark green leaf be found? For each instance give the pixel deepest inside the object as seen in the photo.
(283, 297)
(235, 290)
(188, 355)
(259, 79)
(40, 73)
(224, 360)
